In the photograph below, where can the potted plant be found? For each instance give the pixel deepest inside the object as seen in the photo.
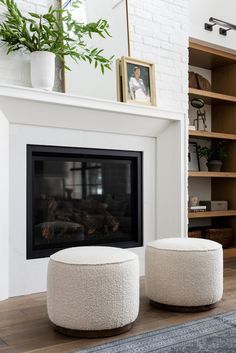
(215, 155)
(48, 35)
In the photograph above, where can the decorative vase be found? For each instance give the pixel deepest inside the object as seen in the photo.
(42, 70)
(214, 166)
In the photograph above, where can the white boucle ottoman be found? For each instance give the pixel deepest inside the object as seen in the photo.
(93, 291)
(184, 274)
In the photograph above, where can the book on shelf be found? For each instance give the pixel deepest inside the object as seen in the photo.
(197, 208)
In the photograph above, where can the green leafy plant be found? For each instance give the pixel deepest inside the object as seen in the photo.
(216, 152)
(55, 31)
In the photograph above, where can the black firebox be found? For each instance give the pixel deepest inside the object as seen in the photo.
(82, 196)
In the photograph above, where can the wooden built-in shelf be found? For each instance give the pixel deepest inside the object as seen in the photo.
(212, 174)
(221, 65)
(210, 214)
(211, 97)
(209, 58)
(211, 135)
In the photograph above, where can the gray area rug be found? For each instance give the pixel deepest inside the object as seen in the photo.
(215, 334)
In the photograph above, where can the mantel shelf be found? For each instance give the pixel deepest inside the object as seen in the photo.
(211, 135)
(31, 94)
(212, 174)
(210, 214)
(211, 97)
(59, 110)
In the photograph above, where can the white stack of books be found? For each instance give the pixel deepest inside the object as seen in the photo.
(197, 208)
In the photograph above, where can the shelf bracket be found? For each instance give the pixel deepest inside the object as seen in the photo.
(209, 27)
(224, 31)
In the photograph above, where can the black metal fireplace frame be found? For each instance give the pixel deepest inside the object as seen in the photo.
(137, 181)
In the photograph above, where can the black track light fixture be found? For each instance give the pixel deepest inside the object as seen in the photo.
(224, 26)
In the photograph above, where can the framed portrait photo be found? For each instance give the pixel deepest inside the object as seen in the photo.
(193, 157)
(138, 81)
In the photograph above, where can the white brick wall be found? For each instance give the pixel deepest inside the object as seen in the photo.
(158, 32)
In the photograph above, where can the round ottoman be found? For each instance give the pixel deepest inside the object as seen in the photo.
(184, 274)
(93, 291)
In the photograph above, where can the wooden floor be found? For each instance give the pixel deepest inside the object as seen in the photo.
(24, 326)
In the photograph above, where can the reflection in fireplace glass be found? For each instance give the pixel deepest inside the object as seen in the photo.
(82, 197)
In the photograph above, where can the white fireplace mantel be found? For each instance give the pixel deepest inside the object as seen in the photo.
(63, 114)
(36, 107)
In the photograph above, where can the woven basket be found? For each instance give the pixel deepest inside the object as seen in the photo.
(224, 236)
(195, 233)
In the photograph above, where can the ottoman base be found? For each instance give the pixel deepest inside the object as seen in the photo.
(183, 309)
(93, 334)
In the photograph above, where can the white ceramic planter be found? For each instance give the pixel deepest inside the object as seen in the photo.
(42, 70)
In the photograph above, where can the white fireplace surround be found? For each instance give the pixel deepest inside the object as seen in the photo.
(29, 116)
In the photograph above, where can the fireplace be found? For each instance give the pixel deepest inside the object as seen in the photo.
(82, 196)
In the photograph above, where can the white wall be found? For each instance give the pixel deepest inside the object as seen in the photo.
(171, 193)
(158, 32)
(4, 205)
(202, 10)
(84, 79)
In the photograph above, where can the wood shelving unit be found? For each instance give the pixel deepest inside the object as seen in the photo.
(212, 214)
(222, 99)
(211, 97)
(211, 135)
(208, 57)
(212, 174)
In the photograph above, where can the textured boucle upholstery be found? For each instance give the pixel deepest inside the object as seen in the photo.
(184, 271)
(93, 255)
(93, 288)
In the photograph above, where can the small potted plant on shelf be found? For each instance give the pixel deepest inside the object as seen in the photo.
(215, 155)
(48, 35)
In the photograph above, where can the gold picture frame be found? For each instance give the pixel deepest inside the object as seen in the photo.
(136, 81)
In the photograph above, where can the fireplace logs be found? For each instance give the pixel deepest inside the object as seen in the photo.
(58, 230)
(92, 216)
